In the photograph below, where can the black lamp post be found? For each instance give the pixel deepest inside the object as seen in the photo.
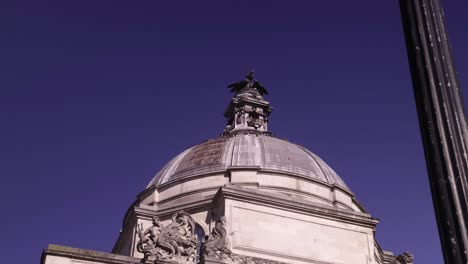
(442, 122)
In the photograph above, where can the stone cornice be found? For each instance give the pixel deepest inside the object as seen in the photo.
(156, 206)
(185, 194)
(87, 255)
(148, 211)
(181, 178)
(294, 205)
(385, 256)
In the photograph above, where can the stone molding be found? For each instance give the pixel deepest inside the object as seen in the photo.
(240, 259)
(295, 205)
(382, 256)
(167, 201)
(86, 255)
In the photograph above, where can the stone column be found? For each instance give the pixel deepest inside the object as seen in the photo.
(442, 121)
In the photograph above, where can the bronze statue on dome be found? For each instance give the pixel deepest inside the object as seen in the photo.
(248, 85)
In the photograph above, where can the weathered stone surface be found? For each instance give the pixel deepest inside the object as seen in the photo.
(271, 228)
(217, 248)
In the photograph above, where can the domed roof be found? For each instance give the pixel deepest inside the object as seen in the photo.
(247, 150)
(246, 143)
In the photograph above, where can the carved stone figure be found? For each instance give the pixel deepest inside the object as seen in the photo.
(217, 245)
(405, 258)
(175, 242)
(149, 238)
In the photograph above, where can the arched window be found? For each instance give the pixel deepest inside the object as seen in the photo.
(200, 233)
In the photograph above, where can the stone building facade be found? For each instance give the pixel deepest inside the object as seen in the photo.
(244, 197)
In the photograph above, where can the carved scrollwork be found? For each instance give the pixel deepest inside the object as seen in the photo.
(175, 242)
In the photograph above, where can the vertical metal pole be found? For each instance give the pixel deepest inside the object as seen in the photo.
(442, 122)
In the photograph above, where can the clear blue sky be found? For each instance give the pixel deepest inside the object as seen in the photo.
(96, 96)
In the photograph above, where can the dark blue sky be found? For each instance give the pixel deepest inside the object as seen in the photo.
(96, 96)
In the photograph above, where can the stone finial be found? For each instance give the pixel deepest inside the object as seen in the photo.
(175, 242)
(405, 258)
(247, 110)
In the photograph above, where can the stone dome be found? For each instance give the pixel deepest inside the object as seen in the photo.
(248, 150)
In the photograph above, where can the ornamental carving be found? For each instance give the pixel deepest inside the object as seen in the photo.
(405, 258)
(175, 242)
(217, 244)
